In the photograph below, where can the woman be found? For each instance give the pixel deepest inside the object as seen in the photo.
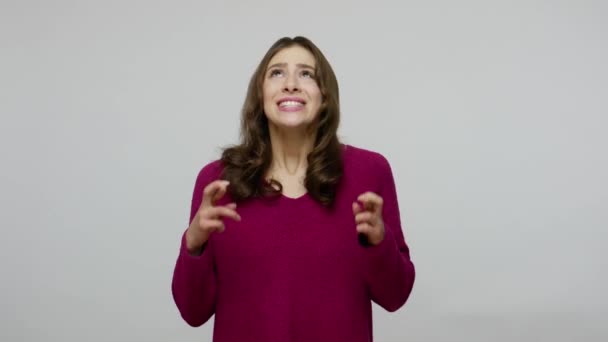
(316, 236)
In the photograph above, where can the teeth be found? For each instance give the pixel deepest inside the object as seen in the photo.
(290, 104)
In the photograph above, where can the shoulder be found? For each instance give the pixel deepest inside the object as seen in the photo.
(365, 170)
(365, 160)
(209, 172)
(370, 171)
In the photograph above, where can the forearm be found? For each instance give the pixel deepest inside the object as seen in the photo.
(390, 272)
(194, 285)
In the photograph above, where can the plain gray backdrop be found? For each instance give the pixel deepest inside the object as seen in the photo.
(493, 115)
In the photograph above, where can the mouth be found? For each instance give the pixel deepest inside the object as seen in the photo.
(291, 103)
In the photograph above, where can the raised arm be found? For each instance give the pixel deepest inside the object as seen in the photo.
(194, 281)
(390, 272)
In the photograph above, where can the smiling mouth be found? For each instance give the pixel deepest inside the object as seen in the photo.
(291, 104)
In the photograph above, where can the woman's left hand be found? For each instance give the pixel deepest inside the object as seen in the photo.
(369, 217)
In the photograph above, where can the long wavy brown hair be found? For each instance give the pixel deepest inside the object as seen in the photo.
(246, 164)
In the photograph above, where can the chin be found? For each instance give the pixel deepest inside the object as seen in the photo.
(283, 124)
(290, 120)
(292, 125)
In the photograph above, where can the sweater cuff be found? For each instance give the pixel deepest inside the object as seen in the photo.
(378, 253)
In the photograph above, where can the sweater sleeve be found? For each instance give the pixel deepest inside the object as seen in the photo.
(194, 281)
(390, 272)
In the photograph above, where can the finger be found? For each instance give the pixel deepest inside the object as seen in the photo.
(356, 208)
(365, 216)
(364, 228)
(221, 212)
(214, 191)
(221, 192)
(213, 225)
(371, 201)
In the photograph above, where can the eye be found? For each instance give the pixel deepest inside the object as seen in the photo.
(308, 73)
(275, 72)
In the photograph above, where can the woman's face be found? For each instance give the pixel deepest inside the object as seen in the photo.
(292, 98)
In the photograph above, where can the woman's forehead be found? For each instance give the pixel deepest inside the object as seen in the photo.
(295, 55)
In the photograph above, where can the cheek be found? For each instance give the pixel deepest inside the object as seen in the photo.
(314, 92)
(265, 92)
(267, 95)
(318, 96)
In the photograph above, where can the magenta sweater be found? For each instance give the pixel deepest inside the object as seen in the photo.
(292, 270)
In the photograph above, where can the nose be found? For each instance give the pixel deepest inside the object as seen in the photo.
(291, 84)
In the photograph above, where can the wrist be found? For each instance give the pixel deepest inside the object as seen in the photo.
(194, 244)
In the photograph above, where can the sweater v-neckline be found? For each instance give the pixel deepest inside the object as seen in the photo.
(294, 199)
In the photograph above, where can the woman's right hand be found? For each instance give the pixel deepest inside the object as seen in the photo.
(209, 217)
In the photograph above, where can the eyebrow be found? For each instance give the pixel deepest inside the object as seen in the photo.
(299, 65)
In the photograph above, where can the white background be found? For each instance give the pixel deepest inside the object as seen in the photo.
(492, 114)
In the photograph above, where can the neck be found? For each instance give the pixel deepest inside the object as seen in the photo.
(290, 150)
